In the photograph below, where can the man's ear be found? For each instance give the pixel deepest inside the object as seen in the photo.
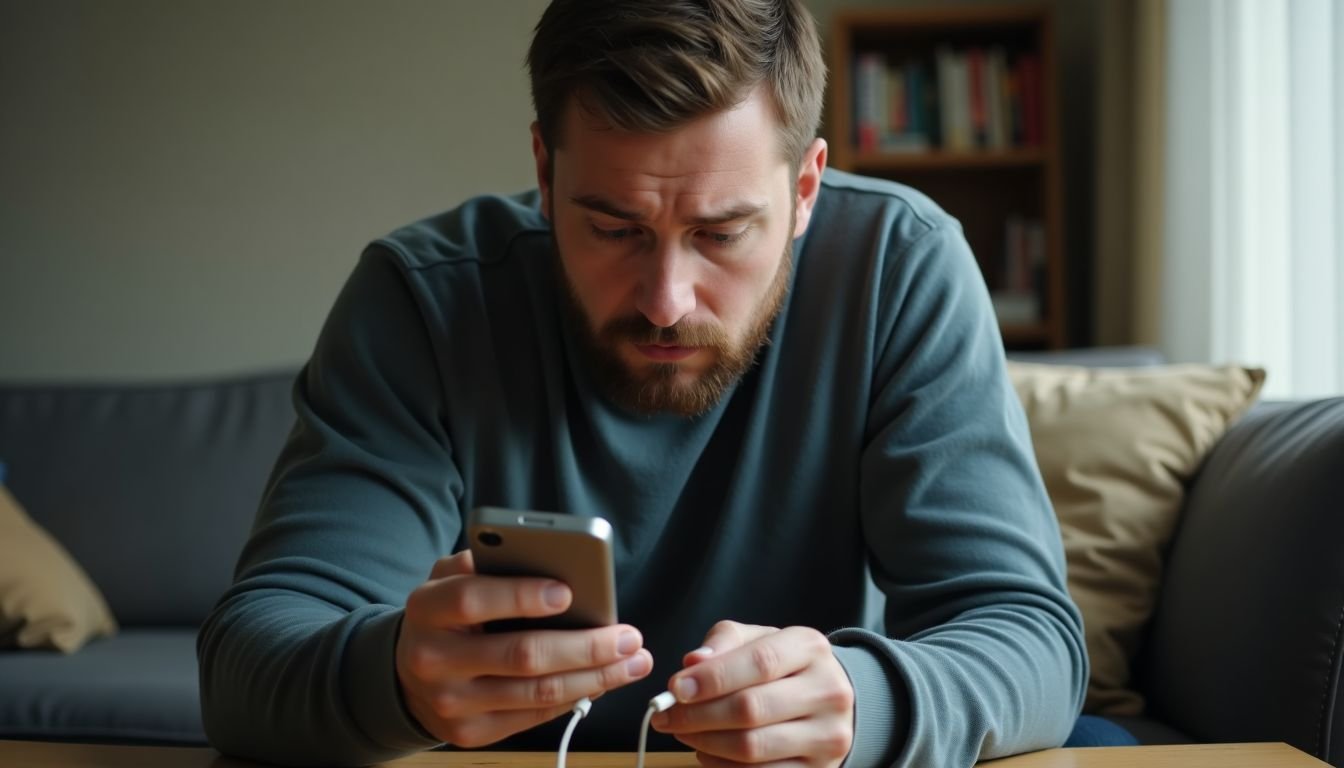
(809, 184)
(543, 161)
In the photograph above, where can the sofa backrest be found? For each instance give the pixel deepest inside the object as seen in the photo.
(152, 489)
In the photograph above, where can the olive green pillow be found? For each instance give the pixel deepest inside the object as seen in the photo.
(1116, 447)
(46, 599)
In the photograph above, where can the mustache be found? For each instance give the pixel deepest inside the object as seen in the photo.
(638, 329)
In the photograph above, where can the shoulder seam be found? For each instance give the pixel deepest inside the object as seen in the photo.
(888, 194)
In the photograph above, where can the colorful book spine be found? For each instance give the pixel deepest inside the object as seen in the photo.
(956, 99)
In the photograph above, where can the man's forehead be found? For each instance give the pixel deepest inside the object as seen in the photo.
(724, 147)
(757, 105)
(693, 210)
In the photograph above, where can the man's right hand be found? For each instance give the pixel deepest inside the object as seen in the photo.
(470, 688)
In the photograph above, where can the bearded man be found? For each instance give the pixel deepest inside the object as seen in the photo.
(783, 386)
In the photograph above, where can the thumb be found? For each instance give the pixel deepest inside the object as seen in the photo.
(459, 564)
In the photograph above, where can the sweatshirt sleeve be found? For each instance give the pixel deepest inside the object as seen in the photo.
(983, 652)
(297, 658)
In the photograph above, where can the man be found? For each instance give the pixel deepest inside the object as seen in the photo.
(779, 384)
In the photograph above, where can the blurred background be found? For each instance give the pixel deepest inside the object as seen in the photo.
(185, 185)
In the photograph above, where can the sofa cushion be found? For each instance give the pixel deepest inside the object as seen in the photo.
(1115, 448)
(152, 488)
(139, 686)
(46, 599)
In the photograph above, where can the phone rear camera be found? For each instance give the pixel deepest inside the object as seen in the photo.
(490, 538)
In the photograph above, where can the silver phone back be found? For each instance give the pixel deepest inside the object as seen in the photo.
(569, 548)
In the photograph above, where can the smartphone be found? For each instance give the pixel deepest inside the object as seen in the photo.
(568, 548)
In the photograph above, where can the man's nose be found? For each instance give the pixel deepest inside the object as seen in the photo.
(667, 288)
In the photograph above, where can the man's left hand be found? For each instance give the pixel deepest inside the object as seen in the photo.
(755, 695)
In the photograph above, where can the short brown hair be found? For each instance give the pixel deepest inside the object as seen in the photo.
(651, 66)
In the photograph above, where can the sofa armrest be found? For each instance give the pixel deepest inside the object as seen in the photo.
(1246, 641)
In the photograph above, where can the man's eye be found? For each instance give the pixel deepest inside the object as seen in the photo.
(724, 239)
(620, 233)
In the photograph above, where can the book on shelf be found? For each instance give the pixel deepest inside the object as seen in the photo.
(960, 99)
(1020, 282)
(890, 109)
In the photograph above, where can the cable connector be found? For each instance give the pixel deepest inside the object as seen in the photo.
(581, 709)
(660, 703)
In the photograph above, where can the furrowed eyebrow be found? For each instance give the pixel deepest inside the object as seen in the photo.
(734, 213)
(739, 211)
(595, 203)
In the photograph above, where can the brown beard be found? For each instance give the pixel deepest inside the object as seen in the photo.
(657, 389)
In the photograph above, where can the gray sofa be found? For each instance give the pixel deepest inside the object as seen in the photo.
(152, 489)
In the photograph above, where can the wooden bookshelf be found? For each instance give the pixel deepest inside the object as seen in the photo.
(998, 64)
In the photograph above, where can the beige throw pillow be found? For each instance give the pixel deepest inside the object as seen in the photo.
(1116, 447)
(46, 599)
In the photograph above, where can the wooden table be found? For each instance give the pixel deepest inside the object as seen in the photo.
(36, 754)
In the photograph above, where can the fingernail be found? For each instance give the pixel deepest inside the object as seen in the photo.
(685, 689)
(637, 666)
(659, 720)
(556, 596)
(628, 643)
(703, 650)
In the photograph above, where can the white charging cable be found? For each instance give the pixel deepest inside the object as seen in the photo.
(660, 703)
(581, 708)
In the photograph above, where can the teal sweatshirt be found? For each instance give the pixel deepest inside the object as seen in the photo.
(871, 476)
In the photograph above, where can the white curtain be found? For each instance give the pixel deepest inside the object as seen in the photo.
(1253, 248)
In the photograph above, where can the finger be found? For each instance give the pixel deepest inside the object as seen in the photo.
(778, 702)
(526, 653)
(811, 740)
(481, 730)
(458, 564)
(506, 693)
(770, 656)
(457, 601)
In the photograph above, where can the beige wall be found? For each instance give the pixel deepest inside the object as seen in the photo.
(186, 184)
